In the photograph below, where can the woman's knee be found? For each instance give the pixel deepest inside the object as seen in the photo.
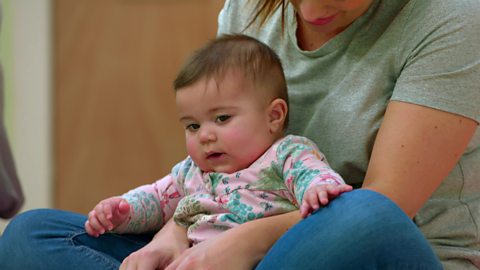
(40, 223)
(25, 223)
(366, 220)
(358, 214)
(21, 238)
(361, 226)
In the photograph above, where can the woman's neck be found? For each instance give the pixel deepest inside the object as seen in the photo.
(310, 38)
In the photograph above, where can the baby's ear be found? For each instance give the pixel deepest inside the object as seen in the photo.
(277, 112)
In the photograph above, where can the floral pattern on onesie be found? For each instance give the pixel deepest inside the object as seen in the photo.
(208, 203)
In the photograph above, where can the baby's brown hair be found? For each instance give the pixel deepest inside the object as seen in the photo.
(256, 60)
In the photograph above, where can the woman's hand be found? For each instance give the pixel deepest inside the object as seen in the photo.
(168, 244)
(218, 253)
(240, 248)
(155, 255)
(214, 254)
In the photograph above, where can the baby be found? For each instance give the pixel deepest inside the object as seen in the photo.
(232, 100)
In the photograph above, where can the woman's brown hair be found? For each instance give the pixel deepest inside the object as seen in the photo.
(264, 9)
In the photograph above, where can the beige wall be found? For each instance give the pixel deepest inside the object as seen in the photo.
(27, 34)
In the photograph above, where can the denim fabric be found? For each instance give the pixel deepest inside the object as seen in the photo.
(359, 230)
(53, 239)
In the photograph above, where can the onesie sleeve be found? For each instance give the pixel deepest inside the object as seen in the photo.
(151, 206)
(304, 166)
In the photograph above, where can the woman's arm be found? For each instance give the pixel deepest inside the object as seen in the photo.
(415, 149)
(240, 248)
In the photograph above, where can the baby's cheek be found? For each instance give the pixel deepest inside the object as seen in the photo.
(192, 148)
(241, 132)
(247, 144)
(233, 135)
(188, 144)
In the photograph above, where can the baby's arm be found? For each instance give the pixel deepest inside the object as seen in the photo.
(308, 175)
(151, 206)
(171, 240)
(143, 209)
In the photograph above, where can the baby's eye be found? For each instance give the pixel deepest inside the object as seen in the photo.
(192, 127)
(222, 118)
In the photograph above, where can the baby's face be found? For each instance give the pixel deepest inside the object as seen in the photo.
(226, 122)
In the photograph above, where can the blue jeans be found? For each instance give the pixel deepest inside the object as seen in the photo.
(359, 230)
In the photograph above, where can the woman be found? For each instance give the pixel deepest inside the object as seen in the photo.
(389, 89)
(389, 92)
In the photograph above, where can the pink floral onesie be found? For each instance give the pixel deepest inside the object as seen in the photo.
(208, 203)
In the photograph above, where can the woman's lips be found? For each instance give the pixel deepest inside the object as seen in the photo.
(323, 21)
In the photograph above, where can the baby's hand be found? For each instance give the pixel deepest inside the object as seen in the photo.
(107, 215)
(320, 195)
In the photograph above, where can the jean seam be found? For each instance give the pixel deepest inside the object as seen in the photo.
(138, 243)
(408, 266)
(95, 255)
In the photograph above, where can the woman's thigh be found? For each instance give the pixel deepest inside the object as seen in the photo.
(54, 239)
(359, 230)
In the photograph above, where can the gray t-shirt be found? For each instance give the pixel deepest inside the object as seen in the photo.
(425, 52)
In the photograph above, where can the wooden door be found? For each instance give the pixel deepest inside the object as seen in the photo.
(115, 125)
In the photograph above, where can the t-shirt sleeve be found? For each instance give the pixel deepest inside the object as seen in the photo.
(151, 206)
(441, 57)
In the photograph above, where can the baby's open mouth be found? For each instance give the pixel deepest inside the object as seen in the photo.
(214, 155)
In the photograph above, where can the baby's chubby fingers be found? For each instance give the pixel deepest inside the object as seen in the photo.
(334, 191)
(320, 195)
(103, 213)
(93, 226)
(106, 215)
(90, 230)
(120, 213)
(345, 188)
(311, 202)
